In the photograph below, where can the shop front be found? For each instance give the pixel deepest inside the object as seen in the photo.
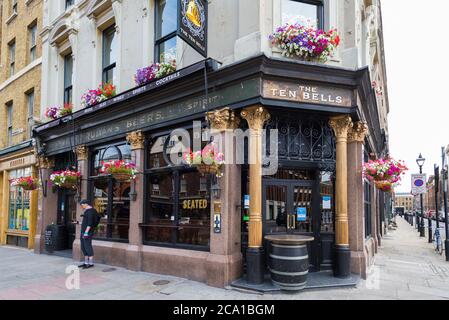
(18, 206)
(172, 218)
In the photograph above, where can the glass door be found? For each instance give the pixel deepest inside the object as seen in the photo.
(291, 207)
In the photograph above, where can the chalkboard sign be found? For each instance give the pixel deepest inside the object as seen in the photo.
(49, 239)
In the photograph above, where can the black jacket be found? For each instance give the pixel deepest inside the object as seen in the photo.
(89, 220)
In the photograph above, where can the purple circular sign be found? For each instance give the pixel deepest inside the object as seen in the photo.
(419, 183)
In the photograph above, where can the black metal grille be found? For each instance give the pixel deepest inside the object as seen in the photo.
(303, 138)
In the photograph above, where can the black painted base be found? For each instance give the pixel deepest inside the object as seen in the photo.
(255, 265)
(342, 264)
(446, 249)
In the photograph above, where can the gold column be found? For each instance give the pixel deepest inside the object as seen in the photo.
(341, 126)
(256, 117)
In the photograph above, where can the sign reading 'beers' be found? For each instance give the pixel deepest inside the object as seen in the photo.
(305, 93)
(194, 204)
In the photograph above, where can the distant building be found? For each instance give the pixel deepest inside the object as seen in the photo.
(404, 200)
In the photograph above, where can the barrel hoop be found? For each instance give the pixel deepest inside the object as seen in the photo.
(292, 274)
(289, 258)
(288, 247)
(293, 286)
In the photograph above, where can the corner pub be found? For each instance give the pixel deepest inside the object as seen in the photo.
(163, 221)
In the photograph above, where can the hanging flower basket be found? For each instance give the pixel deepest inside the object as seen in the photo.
(26, 183)
(384, 170)
(305, 42)
(121, 171)
(385, 186)
(65, 179)
(207, 161)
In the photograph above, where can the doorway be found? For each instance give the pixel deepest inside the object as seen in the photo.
(302, 207)
(66, 217)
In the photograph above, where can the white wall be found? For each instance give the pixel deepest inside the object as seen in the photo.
(238, 29)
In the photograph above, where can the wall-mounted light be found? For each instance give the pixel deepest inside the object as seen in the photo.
(215, 189)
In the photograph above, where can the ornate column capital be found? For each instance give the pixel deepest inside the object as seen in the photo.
(82, 153)
(255, 116)
(358, 132)
(136, 139)
(45, 163)
(341, 125)
(223, 119)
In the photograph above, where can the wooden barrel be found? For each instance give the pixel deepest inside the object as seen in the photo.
(288, 261)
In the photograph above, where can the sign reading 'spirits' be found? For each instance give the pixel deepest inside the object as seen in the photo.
(193, 24)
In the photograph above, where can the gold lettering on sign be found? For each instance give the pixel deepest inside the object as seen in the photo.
(16, 163)
(302, 93)
(194, 204)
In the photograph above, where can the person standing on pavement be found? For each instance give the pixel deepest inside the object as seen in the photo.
(88, 225)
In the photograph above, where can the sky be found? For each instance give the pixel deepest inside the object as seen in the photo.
(417, 61)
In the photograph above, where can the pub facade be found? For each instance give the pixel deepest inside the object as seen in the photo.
(325, 121)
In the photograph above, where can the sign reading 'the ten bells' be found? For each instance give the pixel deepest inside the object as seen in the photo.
(192, 25)
(306, 93)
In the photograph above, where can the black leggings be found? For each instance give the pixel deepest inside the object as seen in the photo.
(86, 247)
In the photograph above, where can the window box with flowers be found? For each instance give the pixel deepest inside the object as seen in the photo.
(154, 71)
(207, 161)
(55, 112)
(305, 42)
(65, 179)
(26, 183)
(104, 92)
(122, 171)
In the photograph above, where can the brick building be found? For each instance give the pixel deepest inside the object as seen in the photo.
(20, 74)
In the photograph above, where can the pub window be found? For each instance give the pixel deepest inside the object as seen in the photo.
(19, 203)
(30, 107)
(110, 197)
(109, 54)
(68, 72)
(166, 25)
(327, 192)
(32, 30)
(12, 57)
(177, 209)
(309, 12)
(9, 115)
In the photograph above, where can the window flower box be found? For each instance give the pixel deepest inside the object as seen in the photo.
(55, 112)
(305, 42)
(154, 71)
(26, 183)
(104, 92)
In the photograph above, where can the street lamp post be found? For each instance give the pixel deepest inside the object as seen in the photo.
(420, 161)
(446, 225)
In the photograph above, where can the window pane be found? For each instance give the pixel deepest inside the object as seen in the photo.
(327, 202)
(19, 203)
(167, 14)
(167, 50)
(161, 208)
(194, 211)
(100, 203)
(119, 222)
(30, 99)
(299, 12)
(109, 46)
(68, 70)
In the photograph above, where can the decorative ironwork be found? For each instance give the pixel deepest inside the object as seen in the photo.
(302, 138)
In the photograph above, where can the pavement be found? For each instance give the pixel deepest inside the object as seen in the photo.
(405, 268)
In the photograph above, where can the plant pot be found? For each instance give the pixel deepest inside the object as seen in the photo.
(68, 185)
(208, 168)
(29, 188)
(122, 177)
